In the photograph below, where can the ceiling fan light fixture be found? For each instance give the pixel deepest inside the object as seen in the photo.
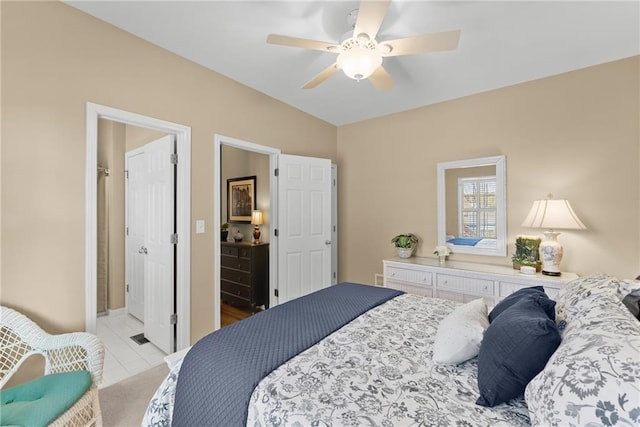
(385, 49)
(359, 60)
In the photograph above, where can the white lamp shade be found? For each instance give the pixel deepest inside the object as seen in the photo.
(553, 214)
(257, 218)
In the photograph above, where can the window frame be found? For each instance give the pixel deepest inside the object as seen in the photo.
(478, 180)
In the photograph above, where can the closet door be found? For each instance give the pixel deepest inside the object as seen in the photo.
(304, 226)
(136, 207)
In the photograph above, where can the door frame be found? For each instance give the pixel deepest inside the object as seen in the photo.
(183, 212)
(273, 153)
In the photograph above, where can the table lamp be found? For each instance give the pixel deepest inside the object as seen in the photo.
(257, 219)
(552, 214)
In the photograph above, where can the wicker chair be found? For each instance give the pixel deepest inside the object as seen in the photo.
(20, 338)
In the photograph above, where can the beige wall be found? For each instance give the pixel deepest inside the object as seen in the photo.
(574, 135)
(55, 59)
(137, 136)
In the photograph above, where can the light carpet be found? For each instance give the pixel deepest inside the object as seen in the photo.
(124, 403)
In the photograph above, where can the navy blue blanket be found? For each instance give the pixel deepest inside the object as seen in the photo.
(221, 371)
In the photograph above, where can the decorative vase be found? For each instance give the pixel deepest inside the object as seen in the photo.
(442, 259)
(223, 235)
(405, 252)
(238, 237)
(551, 254)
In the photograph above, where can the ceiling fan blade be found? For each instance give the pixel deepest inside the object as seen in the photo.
(370, 16)
(434, 42)
(303, 43)
(381, 79)
(321, 77)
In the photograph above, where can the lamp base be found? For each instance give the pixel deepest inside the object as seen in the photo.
(256, 235)
(551, 254)
(551, 273)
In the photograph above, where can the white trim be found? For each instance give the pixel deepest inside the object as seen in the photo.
(183, 212)
(273, 153)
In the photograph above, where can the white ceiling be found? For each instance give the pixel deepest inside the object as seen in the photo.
(502, 43)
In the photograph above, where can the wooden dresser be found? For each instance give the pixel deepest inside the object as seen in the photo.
(244, 274)
(464, 281)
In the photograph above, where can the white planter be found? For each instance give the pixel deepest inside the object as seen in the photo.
(405, 252)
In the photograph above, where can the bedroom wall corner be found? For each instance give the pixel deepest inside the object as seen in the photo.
(574, 135)
(55, 59)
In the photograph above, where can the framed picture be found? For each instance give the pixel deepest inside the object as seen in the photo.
(241, 198)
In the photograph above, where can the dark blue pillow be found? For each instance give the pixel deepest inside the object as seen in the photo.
(515, 297)
(515, 348)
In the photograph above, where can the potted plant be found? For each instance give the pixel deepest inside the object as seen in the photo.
(405, 243)
(527, 253)
(224, 231)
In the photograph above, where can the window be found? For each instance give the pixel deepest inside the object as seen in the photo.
(477, 207)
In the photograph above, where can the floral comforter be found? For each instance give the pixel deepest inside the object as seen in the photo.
(377, 371)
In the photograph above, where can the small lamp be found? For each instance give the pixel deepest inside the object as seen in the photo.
(257, 220)
(552, 214)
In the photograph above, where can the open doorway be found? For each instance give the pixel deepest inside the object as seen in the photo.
(234, 158)
(244, 209)
(300, 224)
(180, 304)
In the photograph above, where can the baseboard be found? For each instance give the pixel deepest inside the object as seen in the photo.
(116, 312)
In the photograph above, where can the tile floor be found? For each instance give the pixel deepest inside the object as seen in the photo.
(124, 357)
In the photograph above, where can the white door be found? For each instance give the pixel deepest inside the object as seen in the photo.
(159, 249)
(304, 226)
(135, 207)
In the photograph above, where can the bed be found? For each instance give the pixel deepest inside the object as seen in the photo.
(376, 367)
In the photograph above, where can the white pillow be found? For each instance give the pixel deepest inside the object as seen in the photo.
(460, 333)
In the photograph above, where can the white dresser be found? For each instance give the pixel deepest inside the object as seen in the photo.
(464, 281)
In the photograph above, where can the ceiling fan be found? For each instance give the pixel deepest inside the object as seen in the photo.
(360, 55)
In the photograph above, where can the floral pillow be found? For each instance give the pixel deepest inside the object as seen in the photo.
(581, 289)
(579, 292)
(593, 378)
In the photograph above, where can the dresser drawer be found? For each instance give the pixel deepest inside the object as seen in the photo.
(463, 298)
(235, 262)
(235, 289)
(464, 285)
(235, 276)
(229, 250)
(507, 288)
(409, 288)
(244, 252)
(235, 300)
(406, 275)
